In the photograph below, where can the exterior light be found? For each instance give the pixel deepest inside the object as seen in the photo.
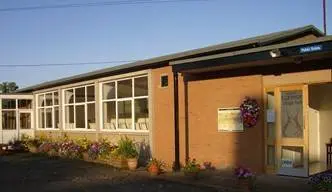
(275, 53)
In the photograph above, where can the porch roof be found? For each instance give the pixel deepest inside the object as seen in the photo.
(256, 56)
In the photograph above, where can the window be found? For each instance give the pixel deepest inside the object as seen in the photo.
(79, 108)
(8, 120)
(164, 81)
(48, 110)
(125, 104)
(10, 113)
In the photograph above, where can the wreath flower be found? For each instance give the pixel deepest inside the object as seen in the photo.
(249, 112)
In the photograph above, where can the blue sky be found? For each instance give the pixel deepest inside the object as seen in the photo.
(130, 32)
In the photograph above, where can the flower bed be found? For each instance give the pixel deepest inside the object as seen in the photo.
(92, 151)
(322, 181)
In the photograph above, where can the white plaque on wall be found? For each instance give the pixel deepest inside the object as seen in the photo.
(229, 119)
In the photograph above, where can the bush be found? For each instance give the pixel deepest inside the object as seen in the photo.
(70, 149)
(48, 146)
(84, 143)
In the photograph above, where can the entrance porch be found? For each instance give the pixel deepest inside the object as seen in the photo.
(16, 117)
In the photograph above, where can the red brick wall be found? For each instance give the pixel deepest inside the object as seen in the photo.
(224, 149)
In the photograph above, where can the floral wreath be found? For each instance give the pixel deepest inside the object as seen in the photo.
(249, 112)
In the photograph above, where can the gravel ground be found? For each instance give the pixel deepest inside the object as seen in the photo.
(27, 172)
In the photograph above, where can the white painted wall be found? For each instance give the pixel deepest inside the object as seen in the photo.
(320, 98)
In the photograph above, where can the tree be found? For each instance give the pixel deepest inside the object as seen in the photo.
(8, 87)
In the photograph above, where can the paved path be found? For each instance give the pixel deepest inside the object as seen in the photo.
(24, 172)
(28, 172)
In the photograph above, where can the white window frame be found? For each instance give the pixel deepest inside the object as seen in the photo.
(17, 111)
(47, 107)
(74, 104)
(116, 100)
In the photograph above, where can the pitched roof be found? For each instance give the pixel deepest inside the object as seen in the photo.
(258, 41)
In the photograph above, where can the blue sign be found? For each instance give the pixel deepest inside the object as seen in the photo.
(313, 48)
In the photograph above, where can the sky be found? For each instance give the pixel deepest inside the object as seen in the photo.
(133, 32)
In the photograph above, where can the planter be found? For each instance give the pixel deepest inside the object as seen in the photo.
(86, 156)
(245, 184)
(153, 170)
(193, 175)
(33, 149)
(132, 163)
(119, 162)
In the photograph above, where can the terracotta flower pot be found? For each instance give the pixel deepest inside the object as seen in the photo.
(154, 170)
(132, 163)
(86, 156)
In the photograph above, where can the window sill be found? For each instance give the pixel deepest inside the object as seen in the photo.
(124, 131)
(47, 129)
(85, 130)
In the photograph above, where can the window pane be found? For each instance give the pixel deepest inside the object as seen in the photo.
(8, 120)
(69, 117)
(292, 156)
(8, 103)
(69, 96)
(49, 99)
(141, 86)
(41, 118)
(25, 120)
(80, 116)
(164, 81)
(292, 114)
(80, 95)
(91, 116)
(41, 100)
(124, 115)
(124, 88)
(109, 118)
(56, 98)
(141, 114)
(109, 90)
(49, 121)
(56, 117)
(91, 93)
(24, 104)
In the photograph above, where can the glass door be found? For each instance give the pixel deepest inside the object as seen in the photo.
(25, 123)
(292, 132)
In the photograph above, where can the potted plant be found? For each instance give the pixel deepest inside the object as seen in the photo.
(117, 160)
(155, 166)
(245, 178)
(127, 149)
(192, 168)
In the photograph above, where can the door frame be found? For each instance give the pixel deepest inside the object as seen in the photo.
(278, 140)
(30, 111)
